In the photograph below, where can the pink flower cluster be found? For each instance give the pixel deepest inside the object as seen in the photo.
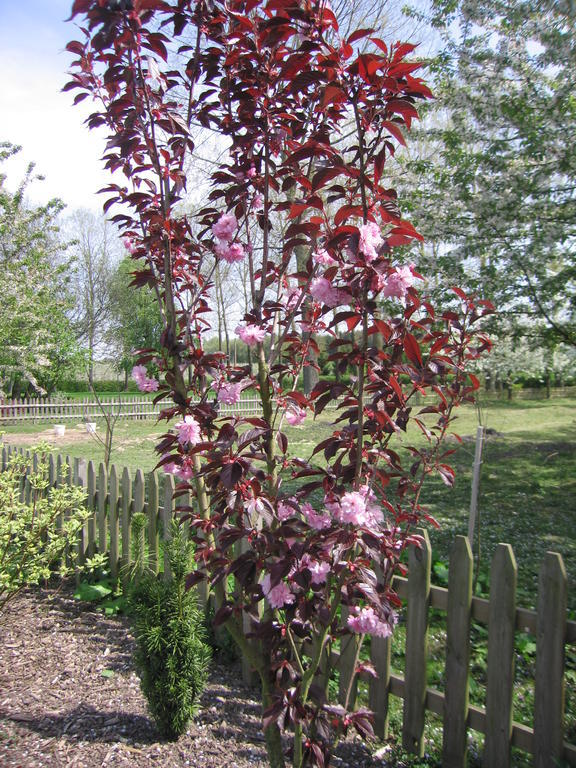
(230, 252)
(225, 229)
(365, 621)
(316, 520)
(396, 284)
(318, 570)
(370, 241)
(143, 381)
(357, 508)
(182, 471)
(285, 510)
(321, 256)
(279, 595)
(323, 291)
(295, 415)
(250, 334)
(188, 431)
(227, 391)
(292, 298)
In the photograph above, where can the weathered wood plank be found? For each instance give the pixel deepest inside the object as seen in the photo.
(457, 655)
(152, 513)
(102, 501)
(379, 691)
(90, 503)
(138, 495)
(126, 524)
(500, 672)
(549, 678)
(167, 516)
(114, 523)
(419, 566)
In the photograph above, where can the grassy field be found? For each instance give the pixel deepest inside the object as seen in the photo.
(528, 484)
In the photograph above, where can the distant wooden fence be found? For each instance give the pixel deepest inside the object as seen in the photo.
(87, 409)
(115, 498)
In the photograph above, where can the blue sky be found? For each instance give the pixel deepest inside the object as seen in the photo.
(33, 111)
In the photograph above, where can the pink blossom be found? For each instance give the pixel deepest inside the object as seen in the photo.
(292, 298)
(321, 256)
(225, 227)
(230, 252)
(257, 202)
(129, 244)
(364, 621)
(277, 596)
(295, 415)
(183, 472)
(228, 392)
(251, 172)
(285, 510)
(358, 508)
(353, 508)
(188, 431)
(323, 291)
(370, 240)
(316, 520)
(318, 570)
(149, 385)
(398, 282)
(250, 334)
(143, 381)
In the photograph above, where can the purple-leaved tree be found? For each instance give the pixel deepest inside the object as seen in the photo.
(305, 546)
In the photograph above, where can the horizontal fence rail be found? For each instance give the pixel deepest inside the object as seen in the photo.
(88, 409)
(118, 498)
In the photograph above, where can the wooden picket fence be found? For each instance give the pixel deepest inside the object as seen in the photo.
(116, 496)
(87, 409)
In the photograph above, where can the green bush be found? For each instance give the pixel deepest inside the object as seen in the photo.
(39, 525)
(172, 658)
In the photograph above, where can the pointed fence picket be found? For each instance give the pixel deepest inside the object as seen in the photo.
(115, 496)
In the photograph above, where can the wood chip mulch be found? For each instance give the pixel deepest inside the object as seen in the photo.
(69, 697)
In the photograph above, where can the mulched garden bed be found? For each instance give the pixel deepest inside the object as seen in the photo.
(69, 697)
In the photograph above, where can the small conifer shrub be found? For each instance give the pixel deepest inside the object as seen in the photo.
(172, 658)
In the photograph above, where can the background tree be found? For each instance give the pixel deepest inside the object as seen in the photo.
(135, 319)
(37, 345)
(95, 250)
(498, 173)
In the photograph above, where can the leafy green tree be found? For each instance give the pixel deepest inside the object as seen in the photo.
(497, 178)
(36, 340)
(135, 320)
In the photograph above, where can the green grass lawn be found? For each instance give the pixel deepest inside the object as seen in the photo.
(527, 494)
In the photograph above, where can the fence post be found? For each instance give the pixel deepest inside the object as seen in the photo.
(457, 655)
(90, 499)
(126, 524)
(153, 505)
(379, 694)
(113, 523)
(102, 504)
(500, 672)
(138, 495)
(79, 480)
(549, 679)
(167, 517)
(419, 566)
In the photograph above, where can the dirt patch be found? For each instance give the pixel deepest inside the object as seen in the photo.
(69, 697)
(73, 435)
